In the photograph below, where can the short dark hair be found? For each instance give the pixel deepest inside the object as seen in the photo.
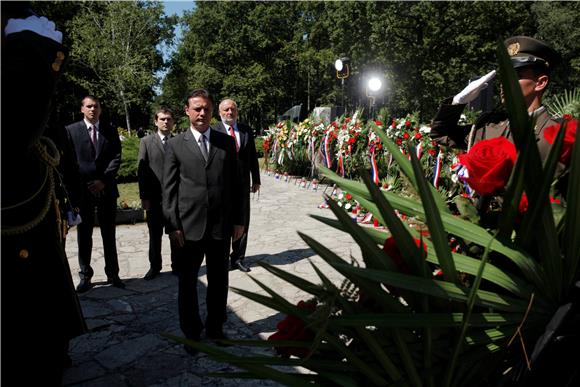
(89, 96)
(163, 110)
(203, 93)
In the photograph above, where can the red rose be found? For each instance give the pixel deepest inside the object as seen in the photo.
(390, 247)
(489, 164)
(348, 196)
(398, 141)
(432, 152)
(406, 136)
(407, 123)
(394, 124)
(378, 123)
(293, 328)
(551, 132)
(523, 206)
(418, 136)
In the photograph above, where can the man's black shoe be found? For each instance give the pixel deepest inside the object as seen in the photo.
(84, 285)
(151, 274)
(217, 336)
(241, 267)
(116, 282)
(190, 350)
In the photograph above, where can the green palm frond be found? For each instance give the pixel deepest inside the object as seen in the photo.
(567, 103)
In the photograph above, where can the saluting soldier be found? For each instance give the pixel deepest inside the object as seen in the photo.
(533, 62)
(40, 309)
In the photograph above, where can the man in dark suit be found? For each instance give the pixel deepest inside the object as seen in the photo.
(202, 207)
(247, 166)
(98, 153)
(150, 173)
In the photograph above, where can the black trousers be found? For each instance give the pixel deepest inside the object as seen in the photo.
(106, 207)
(155, 222)
(189, 261)
(239, 247)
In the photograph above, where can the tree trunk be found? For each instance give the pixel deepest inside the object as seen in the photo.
(126, 107)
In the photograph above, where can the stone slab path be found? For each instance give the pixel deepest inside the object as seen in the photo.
(125, 346)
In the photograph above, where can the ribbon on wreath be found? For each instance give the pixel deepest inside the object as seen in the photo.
(327, 150)
(311, 148)
(374, 166)
(437, 169)
(341, 165)
(419, 150)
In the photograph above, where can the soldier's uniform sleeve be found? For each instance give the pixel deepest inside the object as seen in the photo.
(444, 126)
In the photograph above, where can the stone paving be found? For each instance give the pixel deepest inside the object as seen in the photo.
(125, 346)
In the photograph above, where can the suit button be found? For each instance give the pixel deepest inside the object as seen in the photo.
(23, 254)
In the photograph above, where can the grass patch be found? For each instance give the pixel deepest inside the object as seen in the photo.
(129, 193)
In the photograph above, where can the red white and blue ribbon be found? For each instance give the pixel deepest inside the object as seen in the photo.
(327, 151)
(341, 165)
(311, 148)
(419, 150)
(374, 167)
(438, 165)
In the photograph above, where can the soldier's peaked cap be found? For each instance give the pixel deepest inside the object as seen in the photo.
(526, 51)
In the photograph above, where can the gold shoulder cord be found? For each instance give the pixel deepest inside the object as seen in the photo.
(49, 155)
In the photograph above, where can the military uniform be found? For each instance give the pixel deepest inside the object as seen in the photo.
(524, 52)
(40, 309)
(446, 131)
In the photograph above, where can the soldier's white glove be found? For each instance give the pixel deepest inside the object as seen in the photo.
(40, 25)
(473, 89)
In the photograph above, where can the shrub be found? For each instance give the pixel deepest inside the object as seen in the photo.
(259, 146)
(128, 169)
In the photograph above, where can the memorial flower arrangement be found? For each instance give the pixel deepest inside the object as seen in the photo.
(463, 305)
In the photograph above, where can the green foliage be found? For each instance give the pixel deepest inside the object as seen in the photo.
(129, 157)
(129, 196)
(115, 45)
(259, 146)
(566, 103)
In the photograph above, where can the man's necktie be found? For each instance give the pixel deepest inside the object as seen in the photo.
(164, 141)
(203, 146)
(93, 130)
(93, 135)
(233, 134)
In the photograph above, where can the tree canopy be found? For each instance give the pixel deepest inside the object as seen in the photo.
(270, 56)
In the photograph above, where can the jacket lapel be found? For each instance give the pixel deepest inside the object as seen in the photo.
(158, 143)
(212, 148)
(192, 145)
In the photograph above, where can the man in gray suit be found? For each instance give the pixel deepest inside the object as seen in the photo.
(247, 167)
(202, 207)
(150, 174)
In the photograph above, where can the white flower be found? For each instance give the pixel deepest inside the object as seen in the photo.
(340, 196)
(339, 204)
(347, 206)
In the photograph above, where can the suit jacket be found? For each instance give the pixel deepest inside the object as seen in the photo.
(247, 162)
(200, 196)
(445, 130)
(105, 165)
(150, 169)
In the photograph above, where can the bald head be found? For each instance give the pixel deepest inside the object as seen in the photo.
(228, 111)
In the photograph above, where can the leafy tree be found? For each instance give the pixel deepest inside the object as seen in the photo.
(115, 43)
(270, 56)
